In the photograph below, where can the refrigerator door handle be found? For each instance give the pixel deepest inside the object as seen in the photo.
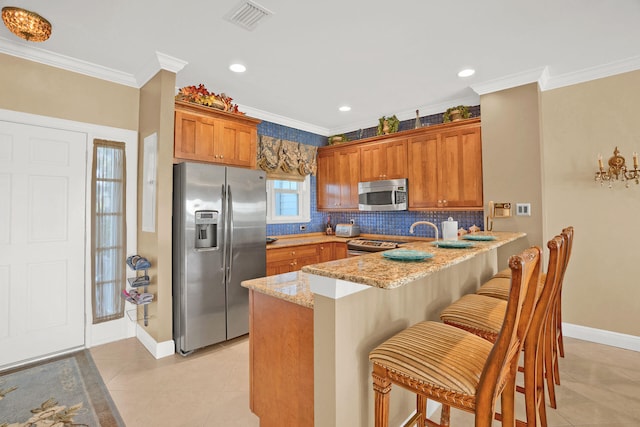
(230, 210)
(223, 196)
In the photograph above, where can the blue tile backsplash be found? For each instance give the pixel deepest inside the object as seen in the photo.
(392, 223)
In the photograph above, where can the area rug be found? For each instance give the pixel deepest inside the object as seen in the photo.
(65, 391)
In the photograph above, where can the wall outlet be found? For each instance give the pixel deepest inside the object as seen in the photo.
(303, 228)
(523, 209)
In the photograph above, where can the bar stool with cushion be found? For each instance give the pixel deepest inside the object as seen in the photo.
(455, 367)
(482, 316)
(498, 287)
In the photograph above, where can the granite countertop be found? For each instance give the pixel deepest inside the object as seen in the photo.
(372, 269)
(292, 287)
(376, 270)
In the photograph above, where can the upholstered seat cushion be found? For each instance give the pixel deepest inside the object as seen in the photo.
(505, 274)
(436, 354)
(479, 314)
(497, 287)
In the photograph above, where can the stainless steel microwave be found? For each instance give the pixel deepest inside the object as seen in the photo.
(388, 195)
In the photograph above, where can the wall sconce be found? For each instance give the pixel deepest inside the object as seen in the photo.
(617, 170)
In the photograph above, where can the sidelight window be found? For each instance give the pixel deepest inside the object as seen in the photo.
(108, 230)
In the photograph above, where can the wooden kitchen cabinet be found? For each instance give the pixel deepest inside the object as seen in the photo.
(339, 250)
(338, 176)
(293, 258)
(443, 165)
(383, 160)
(325, 251)
(280, 361)
(207, 135)
(445, 168)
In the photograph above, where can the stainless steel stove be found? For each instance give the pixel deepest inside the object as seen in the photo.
(357, 247)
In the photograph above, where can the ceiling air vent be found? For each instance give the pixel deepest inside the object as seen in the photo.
(248, 15)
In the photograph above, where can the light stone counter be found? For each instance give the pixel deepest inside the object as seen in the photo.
(372, 269)
(376, 270)
(292, 287)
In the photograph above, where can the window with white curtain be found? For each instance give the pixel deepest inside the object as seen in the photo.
(108, 230)
(288, 201)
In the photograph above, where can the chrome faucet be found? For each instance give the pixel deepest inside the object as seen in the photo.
(425, 223)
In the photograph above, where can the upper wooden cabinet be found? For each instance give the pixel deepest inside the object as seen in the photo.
(383, 160)
(445, 168)
(208, 135)
(443, 165)
(338, 176)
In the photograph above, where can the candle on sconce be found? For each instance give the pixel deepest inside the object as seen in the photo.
(600, 161)
(635, 160)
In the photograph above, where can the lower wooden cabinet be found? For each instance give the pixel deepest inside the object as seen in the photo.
(293, 258)
(280, 361)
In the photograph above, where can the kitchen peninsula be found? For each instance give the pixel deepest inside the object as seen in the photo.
(351, 305)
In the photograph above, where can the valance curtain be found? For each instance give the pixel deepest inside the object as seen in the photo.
(287, 160)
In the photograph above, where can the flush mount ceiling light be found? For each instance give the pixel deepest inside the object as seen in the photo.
(345, 108)
(26, 24)
(237, 68)
(466, 72)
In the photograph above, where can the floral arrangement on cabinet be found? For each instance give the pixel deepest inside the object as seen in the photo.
(200, 95)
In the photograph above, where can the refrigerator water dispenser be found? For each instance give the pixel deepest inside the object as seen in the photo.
(206, 229)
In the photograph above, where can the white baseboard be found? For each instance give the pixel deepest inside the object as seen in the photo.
(157, 350)
(600, 336)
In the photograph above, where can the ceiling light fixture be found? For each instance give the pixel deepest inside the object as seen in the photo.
(237, 68)
(345, 108)
(26, 24)
(466, 72)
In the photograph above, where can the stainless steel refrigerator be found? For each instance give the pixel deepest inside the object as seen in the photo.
(219, 240)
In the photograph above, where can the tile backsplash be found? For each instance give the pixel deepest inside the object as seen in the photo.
(392, 223)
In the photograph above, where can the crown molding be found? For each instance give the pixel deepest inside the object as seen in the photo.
(284, 121)
(593, 73)
(161, 61)
(64, 62)
(507, 82)
(548, 82)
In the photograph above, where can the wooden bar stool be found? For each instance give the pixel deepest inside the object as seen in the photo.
(482, 316)
(498, 287)
(455, 367)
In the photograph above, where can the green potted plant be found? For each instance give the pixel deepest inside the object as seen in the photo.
(337, 139)
(387, 125)
(454, 114)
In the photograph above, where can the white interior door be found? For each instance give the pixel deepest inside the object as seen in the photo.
(42, 238)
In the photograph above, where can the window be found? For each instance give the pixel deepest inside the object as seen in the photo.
(108, 230)
(288, 201)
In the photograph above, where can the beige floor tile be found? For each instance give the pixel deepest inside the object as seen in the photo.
(600, 386)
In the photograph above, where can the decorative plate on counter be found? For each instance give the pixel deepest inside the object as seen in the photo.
(406, 255)
(452, 244)
(271, 239)
(479, 237)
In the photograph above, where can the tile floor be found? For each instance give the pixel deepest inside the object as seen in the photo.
(600, 386)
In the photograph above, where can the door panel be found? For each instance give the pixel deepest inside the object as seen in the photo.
(42, 238)
(248, 196)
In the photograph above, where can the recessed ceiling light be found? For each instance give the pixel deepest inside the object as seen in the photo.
(345, 108)
(237, 68)
(466, 73)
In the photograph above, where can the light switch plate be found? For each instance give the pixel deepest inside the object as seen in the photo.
(523, 209)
